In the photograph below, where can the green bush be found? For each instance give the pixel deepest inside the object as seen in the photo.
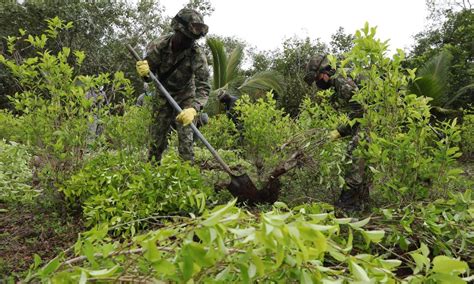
(321, 176)
(128, 131)
(55, 107)
(409, 159)
(221, 132)
(467, 135)
(15, 174)
(264, 128)
(11, 127)
(118, 187)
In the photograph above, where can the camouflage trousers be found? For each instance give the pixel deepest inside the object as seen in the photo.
(356, 193)
(163, 121)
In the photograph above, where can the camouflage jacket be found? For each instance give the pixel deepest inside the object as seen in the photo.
(342, 100)
(188, 84)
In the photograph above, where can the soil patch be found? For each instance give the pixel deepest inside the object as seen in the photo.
(26, 230)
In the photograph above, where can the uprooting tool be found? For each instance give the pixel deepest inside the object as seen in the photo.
(241, 186)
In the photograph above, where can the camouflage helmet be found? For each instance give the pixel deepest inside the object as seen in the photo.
(190, 23)
(316, 65)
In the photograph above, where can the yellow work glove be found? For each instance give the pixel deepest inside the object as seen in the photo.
(186, 116)
(142, 68)
(333, 135)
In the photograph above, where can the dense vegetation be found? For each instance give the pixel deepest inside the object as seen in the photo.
(77, 190)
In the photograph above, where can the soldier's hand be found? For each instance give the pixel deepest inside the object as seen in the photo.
(186, 116)
(142, 68)
(333, 135)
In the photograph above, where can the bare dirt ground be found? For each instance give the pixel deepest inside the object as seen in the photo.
(26, 230)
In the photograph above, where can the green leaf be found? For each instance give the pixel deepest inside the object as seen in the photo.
(188, 268)
(83, 279)
(445, 264)
(455, 172)
(37, 260)
(221, 275)
(420, 261)
(103, 272)
(337, 255)
(257, 261)
(198, 253)
(164, 267)
(151, 251)
(233, 62)
(88, 251)
(390, 263)
(50, 267)
(358, 272)
(252, 271)
(424, 249)
(219, 62)
(362, 223)
(374, 236)
(305, 277)
(320, 242)
(447, 279)
(388, 213)
(343, 220)
(217, 214)
(321, 228)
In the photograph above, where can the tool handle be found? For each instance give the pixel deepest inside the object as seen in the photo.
(178, 108)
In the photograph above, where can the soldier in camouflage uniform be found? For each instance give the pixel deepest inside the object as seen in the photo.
(356, 192)
(181, 66)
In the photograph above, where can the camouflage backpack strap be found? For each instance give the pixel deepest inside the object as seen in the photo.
(163, 77)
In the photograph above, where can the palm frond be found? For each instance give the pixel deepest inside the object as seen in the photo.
(219, 62)
(266, 80)
(233, 62)
(429, 86)
(432, 78)
(459, 93)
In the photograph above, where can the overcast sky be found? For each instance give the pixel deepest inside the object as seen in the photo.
(265, 23)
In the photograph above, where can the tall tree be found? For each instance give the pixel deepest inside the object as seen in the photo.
(100, 30)
(291, 62)
(341, 42)
(455, 35)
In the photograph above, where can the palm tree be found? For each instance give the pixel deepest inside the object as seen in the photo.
(432, 81)
(227, 75)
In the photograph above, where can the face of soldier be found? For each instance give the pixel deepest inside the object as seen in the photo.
(181, 41)
(322, 81)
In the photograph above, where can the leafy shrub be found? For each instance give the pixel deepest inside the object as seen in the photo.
(15, 174)
(320, 175)
(221, 132)
(318, 113)
(467, 135)
(290, 61)
(118, 187)
(444, 224)
(11, 127)
(265, 128)
(55, 112)
(128, 131)
(408, 159)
